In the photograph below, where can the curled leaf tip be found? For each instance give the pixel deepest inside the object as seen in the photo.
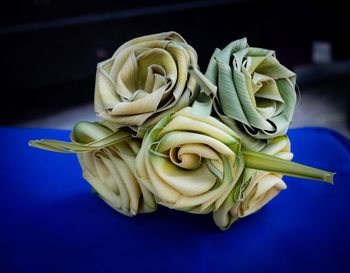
(329, 178)
(36, 143)
(31, 143)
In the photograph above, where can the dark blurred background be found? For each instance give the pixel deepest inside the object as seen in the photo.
(50, 48)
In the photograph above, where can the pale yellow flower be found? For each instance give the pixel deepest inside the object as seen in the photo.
(257, 188)
(146, 79)
(190, 162)
(107, 156)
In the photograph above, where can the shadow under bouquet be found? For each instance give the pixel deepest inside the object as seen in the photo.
(212, 142)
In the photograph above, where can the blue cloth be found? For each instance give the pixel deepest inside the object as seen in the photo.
(50, 221)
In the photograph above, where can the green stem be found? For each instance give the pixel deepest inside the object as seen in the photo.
(208, 87)
(86, 136)
(261, 161)
(203, 104)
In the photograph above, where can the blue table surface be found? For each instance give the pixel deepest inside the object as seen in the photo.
(50, 221)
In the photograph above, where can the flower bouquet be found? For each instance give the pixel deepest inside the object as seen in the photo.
(212, 142)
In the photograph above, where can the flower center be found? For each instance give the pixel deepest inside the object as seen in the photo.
(184, 157)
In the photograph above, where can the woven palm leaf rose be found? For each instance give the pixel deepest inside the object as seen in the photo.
(212, 143)
(145, 79)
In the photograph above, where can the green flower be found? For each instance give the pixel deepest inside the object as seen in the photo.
(256, 94)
